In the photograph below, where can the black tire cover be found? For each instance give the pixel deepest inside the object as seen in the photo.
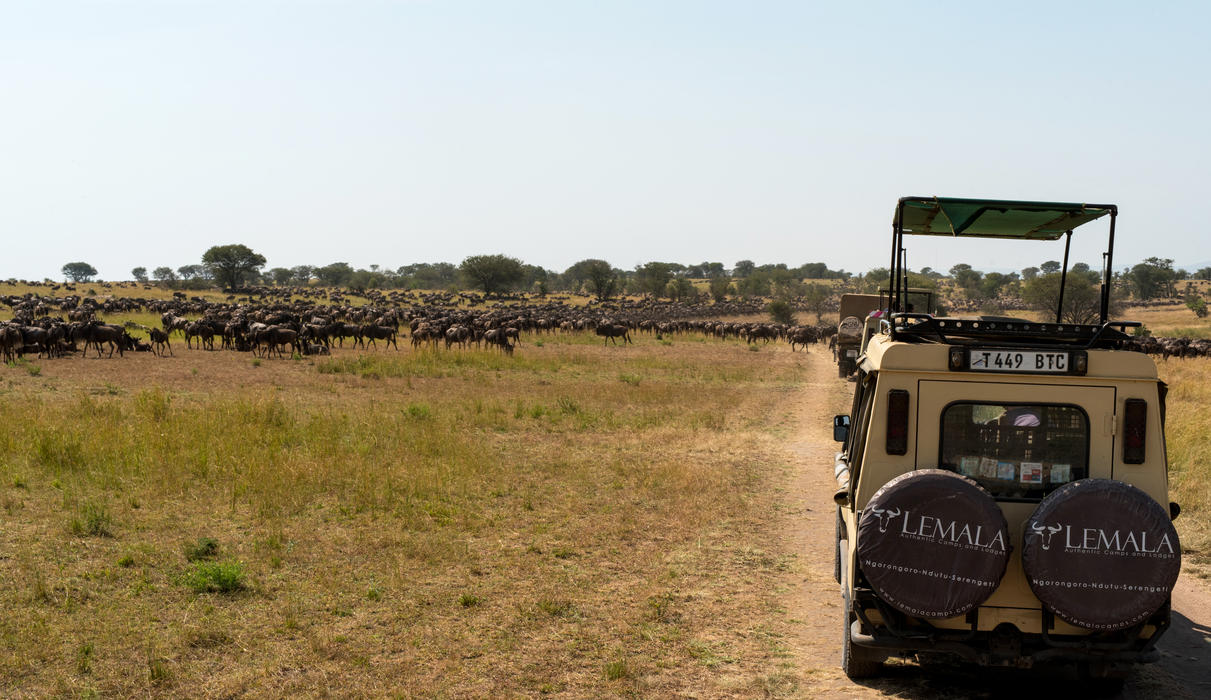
(933, 543)
(1101, 554)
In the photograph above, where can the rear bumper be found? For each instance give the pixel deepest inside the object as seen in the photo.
(1006, 645)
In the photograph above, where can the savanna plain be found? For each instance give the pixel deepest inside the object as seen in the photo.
(574, 520)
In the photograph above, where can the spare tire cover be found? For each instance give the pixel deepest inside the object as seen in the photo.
(1101, 554)
(933, 543)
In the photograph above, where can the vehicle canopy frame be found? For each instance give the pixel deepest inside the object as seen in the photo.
(1000, 219)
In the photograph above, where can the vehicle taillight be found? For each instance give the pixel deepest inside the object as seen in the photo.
(897, 422)
(1135, 430)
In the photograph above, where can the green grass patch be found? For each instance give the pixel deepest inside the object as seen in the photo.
(216, 577)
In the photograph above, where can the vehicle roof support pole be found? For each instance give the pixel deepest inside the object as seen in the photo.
(1059, 309)
(1109, 269)
(893, 289)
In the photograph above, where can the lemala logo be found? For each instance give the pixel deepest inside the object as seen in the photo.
(952, 532)
(1096, 539)
(885, 516)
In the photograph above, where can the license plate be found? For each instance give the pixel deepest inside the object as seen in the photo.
(851, 353)
(1034, 361)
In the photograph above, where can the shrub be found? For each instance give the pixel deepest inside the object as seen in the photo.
(1198, 305)
(782, 312)
(204, 548)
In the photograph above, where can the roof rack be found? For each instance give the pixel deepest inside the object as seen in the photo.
(1013, 332)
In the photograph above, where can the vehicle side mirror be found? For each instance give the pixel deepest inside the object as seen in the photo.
(840, 428)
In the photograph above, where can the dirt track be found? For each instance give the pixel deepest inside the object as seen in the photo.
(1183, 672)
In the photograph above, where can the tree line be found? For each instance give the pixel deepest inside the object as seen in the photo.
(235, 265)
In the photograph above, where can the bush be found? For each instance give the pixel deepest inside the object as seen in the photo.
(204, 548)
(1198, 305)
(782, 312)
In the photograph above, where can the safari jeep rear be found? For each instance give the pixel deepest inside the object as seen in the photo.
(1002, 486)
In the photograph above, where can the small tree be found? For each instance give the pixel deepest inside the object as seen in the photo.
(816, 297)
(492, 273)
(337, 274)
(1082, 297)
(164, 275)
(79, 271)
(281, 276)
(140, 274)
(598, 274)
(231, 264)
(720, 286)
(654, 277)
(189, 272)
(1197, 304)
(782, 312)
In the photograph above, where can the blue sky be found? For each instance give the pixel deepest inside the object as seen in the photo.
(141, 133)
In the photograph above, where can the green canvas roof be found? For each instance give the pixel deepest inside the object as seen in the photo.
(995, 218)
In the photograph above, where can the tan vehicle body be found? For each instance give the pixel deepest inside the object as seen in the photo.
(1113, 376)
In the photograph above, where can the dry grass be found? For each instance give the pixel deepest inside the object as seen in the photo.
(575, 521)
(1188, 424)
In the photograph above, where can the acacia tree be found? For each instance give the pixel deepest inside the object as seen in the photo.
(164, 274)
(599, 275)
(492, 273)
(230, 264)
(79, 271)
(140, 274)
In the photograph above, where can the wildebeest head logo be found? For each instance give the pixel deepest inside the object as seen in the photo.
(1045, 532)
(885, 516)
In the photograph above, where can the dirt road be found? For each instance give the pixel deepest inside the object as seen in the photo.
(1183, 672)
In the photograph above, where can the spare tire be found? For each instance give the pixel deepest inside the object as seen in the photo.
(933, 544)
(1101, 554)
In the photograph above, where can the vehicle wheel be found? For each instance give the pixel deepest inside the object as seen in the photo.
(1100, 682)
(857, 662)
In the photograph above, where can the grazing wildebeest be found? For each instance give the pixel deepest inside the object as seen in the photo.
(10, 342)
(201, 330)
(316, 349)
(497, 337)
(159, 341)
(95, 333)
(386, 333)
(274, 338)
(457, 334)
(614, 330)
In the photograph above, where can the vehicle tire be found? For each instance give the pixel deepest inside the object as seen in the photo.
(1101, 554)
(857, 662)
(932, 543)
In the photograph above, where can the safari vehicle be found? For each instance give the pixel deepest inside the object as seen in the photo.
(856, 325)
(1002, 485)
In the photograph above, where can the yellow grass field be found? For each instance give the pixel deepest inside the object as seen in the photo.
(574, 520)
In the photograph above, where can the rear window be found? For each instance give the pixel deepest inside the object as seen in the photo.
(1016, 450)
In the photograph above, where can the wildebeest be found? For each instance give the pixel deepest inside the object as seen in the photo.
(386, 333)
(159, 341)
(10, 342)
(614, 330)
(203, 331)
(96, 333)
(497, 337)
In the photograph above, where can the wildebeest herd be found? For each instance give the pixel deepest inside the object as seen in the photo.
(270, 323)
